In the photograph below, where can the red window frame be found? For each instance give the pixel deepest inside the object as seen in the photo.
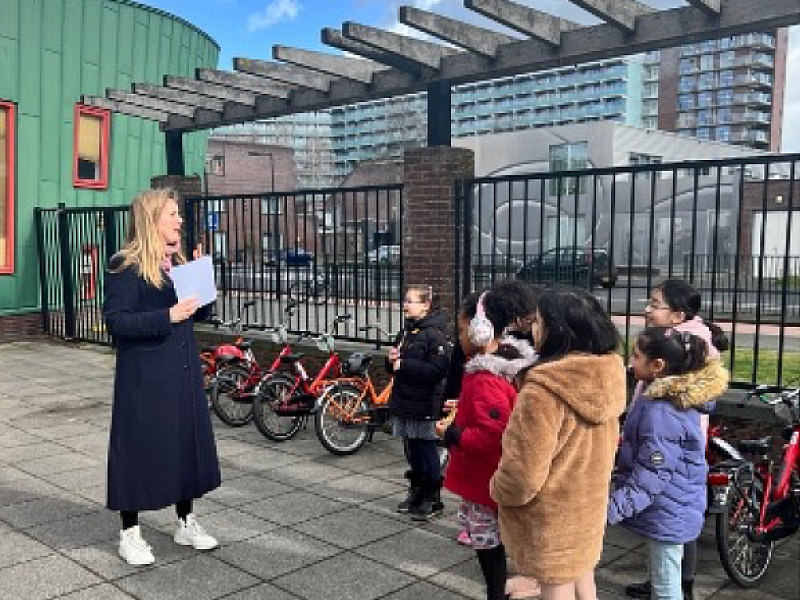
(105, 129)
(11, 146)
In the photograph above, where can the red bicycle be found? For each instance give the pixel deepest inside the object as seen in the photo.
(283, 401)
(213, 357)
(239, 373)
(760, 503)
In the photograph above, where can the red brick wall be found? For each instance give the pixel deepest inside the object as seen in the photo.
(429, 204)
(20, 327)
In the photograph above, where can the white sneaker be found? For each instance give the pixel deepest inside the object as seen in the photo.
(191, 533)
(133, 549)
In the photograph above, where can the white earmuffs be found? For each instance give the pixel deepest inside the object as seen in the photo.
(481, 330)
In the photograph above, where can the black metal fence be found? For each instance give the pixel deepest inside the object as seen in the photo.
(334, 251)
(729, 227)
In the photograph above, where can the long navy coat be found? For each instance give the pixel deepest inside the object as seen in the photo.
(161, 448)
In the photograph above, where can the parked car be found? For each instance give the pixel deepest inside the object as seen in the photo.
(388, 255)
(295, 257)
(568, 265)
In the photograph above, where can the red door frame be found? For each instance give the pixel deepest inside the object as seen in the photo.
(105, 116)
(11, 146)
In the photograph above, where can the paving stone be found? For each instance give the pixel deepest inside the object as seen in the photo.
(79, 480)
(261, 460)
(228, 525)
(12, 437)
(292, 508)
(424, 590)
(367, 459)
(464, 578)
(227, 447)
(344, 577)
(307, 473)
(417, 552)
(66, 461)
(166, 519)
(43, 510)
(76, 532)
(197, 578)
(276, 553)
(355, 488)
(249, 488)
(38, 448)
(351, 528)
(42, 578)
(66, 430)
(105, 591)
(17, 548)
(265, 591)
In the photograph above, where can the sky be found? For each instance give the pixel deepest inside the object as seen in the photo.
(249, 28)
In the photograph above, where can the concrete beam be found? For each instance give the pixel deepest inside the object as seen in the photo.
(426, 54)
(622, 13)
(211, 90)
(711, 7)
(466, 36)
(335, 39)
(126, 109)
(172, 108)
(158, 91)
(524, 19)
(249, 83)
(283, 73)
(355, 69)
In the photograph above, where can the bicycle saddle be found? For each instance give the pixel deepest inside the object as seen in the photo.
(292, 358)
(759, 446)
(245, 344)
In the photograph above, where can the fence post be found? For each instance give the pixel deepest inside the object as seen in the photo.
(65, 261)
(429, 218)
(111, 241)
(189, 219)
(43, 283)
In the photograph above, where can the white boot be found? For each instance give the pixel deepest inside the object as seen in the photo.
(190, 533)
(133, 549)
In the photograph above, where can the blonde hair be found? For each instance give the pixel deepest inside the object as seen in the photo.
(144, 247)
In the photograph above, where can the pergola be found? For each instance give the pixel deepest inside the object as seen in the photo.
(301, 80)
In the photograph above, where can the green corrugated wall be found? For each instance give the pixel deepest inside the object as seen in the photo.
(52, 52)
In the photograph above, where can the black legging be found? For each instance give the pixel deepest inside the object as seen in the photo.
(423, 458)
(689, 564)
(130, 518)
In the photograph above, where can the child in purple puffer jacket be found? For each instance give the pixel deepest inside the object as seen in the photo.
(660, 488)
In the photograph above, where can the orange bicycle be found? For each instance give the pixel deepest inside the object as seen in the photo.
(352, 409)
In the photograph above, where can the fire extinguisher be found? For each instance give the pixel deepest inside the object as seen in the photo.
(88, 271)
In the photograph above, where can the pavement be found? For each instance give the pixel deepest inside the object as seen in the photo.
(294, 522)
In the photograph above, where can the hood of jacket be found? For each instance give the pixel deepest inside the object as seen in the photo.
(435, 320)
(592, 385)
(691, 390)
(697, 327)
(501, 366)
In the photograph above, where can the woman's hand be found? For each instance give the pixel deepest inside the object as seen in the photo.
(440, 427)
(450, 405)
(197, 252)
(182, 310)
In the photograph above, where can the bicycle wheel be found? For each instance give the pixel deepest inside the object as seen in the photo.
(333, 420)
(228, 398)
(744, 559)
(271, 425)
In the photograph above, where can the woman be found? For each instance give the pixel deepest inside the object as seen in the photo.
(419, 361)
(161, 448)
(551, 486)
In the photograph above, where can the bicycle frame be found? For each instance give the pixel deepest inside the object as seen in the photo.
(775, 492)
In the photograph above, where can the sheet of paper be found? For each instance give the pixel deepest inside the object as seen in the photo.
(195, 279)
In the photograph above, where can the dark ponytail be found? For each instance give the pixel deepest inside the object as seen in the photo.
(681, 296)
(681, 352)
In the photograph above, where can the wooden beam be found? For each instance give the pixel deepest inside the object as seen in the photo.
(285, 73)
(243, 81)
(427, 54)
(356, 69)
(158, 91)
(524, 19)
(172, 108)
(622, 13)
(211, 90)
(469, 37)
(126, 109)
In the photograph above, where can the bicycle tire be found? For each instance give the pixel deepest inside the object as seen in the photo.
(271, 425)
(744, 559)
(330, 428)
(233, 412)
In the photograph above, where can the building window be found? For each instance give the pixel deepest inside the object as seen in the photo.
(216, 166)
(7, 170)
(92, 128)
(568, 157)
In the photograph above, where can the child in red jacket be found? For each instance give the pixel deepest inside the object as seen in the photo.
(474, 436)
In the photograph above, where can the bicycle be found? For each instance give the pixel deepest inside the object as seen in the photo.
(759, 504)
(311, 288)
(213, 357)
(236, 380)
(283, 401)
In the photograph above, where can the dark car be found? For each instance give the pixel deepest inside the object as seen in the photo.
(295, 257)
(570, 265)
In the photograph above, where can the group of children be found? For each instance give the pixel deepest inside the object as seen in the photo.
(534, 394)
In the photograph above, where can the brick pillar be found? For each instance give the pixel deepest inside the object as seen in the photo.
(186, 186)
(429, 209)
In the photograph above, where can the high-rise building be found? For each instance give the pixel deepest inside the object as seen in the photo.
(728, 90)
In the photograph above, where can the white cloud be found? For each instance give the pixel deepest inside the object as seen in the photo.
(275, 12)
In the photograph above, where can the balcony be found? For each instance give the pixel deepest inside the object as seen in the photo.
(754, 79)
